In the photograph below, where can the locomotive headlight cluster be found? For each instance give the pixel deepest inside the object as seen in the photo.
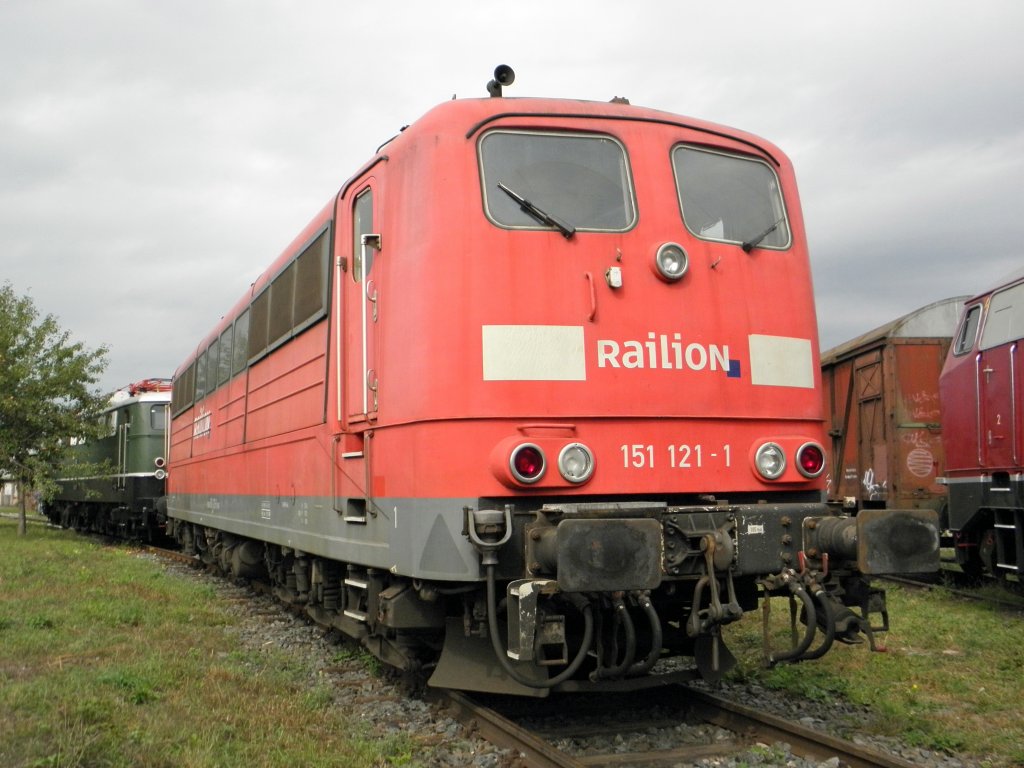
(671, 262)
(518, 462)
(771, 462)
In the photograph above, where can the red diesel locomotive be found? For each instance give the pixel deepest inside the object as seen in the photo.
(533, 403)
(983, 432)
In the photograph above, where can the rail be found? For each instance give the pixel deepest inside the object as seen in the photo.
(749, 727)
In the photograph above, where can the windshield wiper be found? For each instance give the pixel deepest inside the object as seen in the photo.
(542, 216)
(751, 244)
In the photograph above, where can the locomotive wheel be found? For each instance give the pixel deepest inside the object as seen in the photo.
(987, 551)
(968, 556)
(1003, 576)
(978, 561)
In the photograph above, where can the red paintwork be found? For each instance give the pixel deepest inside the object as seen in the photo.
(982, 410)
(445, 271)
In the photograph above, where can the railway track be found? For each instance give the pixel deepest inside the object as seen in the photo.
(172, 554)
(559, 732)
(1013, 599)
(741, 729)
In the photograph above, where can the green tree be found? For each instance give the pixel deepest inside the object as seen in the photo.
(47, 394)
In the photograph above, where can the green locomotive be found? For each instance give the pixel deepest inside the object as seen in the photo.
(115, 485)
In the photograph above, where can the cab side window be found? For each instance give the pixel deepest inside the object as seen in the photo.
(1005, 321)
(968, 331)
(362, 224)
(158, 418)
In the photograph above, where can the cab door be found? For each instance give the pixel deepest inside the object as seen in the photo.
(996, 387)
(123, 425)
(357, 376)
(362, 297)
(998, 372)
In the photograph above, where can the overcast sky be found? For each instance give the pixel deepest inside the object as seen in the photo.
(156, 156)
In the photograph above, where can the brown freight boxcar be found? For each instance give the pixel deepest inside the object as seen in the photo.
(881, 393)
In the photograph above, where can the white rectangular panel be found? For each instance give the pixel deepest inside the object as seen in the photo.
(781, 361)
(534, 353)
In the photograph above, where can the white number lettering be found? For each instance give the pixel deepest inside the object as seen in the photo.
(637, 456)
(680, 456)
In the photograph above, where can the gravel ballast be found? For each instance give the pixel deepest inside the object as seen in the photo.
(442, 742)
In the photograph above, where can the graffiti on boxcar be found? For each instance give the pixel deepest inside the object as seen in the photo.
(875, 491)
(923, 406)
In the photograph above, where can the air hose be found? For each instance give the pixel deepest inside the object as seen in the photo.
(811, 617)
(644, 666)
(622, 614)
(829, 620)
(502, 654)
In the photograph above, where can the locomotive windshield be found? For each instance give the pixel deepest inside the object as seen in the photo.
(576, 182)
(1005, 318)
(730, 199)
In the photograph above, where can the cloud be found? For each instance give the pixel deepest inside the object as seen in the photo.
(158, 156)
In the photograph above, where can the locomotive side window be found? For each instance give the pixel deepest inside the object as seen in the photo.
(183, 389)
(311, 282)
(362, 224)
(293, 301)
(241, 343)
(282, 297)
(968, 332)
(224, 367)
(201, 376)
(158, 418)
(258, 324)
(213, 361)
(1005, 321)
(582, 182)
(730, 199)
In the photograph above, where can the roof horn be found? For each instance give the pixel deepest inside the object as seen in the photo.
(503, 75)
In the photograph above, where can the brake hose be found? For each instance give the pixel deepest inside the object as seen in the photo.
(811, 618)
(502, 654)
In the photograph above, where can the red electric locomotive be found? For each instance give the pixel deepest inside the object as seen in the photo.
(534, 403)
(983, 432)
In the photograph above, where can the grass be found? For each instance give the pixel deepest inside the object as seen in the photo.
(108, 660)
(950, 678)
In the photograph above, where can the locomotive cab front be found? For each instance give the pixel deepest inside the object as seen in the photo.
(649, 406)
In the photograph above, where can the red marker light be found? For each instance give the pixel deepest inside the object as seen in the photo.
(810, 460)
(527, 463)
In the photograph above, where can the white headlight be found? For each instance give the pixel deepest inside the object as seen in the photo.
(576, 463)
(770, 461)
(671, 262)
